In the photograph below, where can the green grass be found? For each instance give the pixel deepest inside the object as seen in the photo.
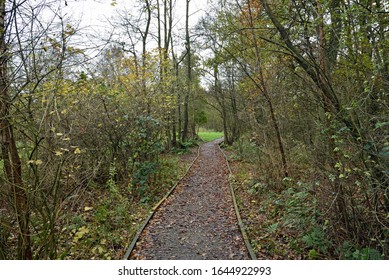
(209, 136)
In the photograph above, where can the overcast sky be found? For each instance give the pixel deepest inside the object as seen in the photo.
(95, 12)
(94, 16)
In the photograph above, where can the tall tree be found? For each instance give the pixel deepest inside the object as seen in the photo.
(9, 151)
(185, 129)
(321, 60)
(261, 83)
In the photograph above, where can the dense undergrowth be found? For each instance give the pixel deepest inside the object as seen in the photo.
(109, 217)
(100, 220)
(290, 218)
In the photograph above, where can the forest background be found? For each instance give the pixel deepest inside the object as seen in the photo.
(95, 124)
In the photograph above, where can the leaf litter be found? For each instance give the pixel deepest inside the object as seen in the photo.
(198, 220)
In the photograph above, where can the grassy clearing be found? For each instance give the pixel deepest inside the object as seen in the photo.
(209, 136)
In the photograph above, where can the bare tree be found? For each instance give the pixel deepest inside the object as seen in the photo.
(185, 129)
(9, 151)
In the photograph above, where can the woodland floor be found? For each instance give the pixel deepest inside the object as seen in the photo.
(198, 220)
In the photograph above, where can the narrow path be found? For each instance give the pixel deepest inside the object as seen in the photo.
(198, 220)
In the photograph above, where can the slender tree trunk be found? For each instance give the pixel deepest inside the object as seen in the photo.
(185, 129)
(226, 135)
(235, 123)
(264, 89)
(223, 107)
(168, 26)
(9, 152)
(144, 56)
(177, 113)
(163, 49)
(178, 122)
(174, 132)
(159, 40)
(323, 59)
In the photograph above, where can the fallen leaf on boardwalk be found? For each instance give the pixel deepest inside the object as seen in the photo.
(199, 220)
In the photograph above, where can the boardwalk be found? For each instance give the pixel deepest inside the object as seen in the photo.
(198, 220)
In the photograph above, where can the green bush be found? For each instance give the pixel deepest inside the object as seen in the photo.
(317, 240)
(300, 207)
(349, 251)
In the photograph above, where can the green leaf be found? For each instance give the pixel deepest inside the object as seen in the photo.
(272, 228)
(384, 153)
(380, 124)
(313, 254)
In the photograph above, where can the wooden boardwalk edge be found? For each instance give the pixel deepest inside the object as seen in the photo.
(239, 218)
(154, 209)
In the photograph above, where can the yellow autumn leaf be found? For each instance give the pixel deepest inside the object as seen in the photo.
(58, 153)
(80, 233)
(77, 151)
(100, 249)
(36, 162)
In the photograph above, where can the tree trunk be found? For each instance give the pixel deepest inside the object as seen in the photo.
(262, 86)
(235, 123)
(9, 152)
(144, 56)
(185, 128)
